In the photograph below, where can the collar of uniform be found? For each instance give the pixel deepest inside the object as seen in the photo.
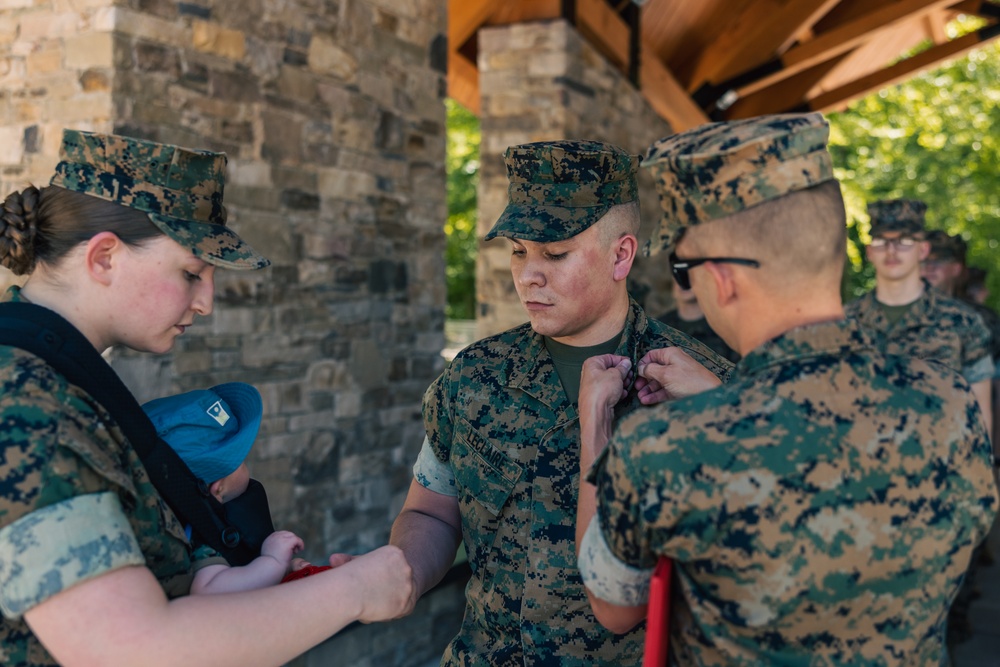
(530, 367)
(811, 340)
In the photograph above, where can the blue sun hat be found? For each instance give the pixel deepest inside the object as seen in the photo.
(212, 430)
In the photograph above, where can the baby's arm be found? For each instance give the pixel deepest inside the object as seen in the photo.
(265, 570)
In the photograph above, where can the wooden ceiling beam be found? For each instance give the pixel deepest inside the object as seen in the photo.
(791, 93)
(666, 95)
(840, 40)
(753, 37)
(463, 82)
(806, 30)
(603, 27)
(838, 98)
(465, 18)
(935, 22)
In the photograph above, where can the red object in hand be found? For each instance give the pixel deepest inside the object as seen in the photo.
(658, 616)
(304, 572)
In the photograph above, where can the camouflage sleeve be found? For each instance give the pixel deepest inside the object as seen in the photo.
(432, 473)
(58, 546)
(977, 364)
(607, 577)
(654, 494)
(619, 510)
(979, 370)
(437, 407)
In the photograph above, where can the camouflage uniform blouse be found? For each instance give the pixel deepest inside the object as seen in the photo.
(936, 327)
(504, 439)
(75, 501)
(821, 508)
(700, 331)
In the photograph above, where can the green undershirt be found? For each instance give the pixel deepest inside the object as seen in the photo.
(569, 361)
(894, 313)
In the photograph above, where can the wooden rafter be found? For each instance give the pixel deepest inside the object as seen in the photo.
(752, 38)
(840, 97)
(843, 38)
(699, 59)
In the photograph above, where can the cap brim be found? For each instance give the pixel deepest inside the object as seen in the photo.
(213, 243)
(545, 224)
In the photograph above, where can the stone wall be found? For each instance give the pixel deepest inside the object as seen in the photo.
(332, 115)
(543, 81)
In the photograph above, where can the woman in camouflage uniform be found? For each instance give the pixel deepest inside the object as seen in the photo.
(94, 567)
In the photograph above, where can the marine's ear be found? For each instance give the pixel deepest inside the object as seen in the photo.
(625, 249)
(101, 256)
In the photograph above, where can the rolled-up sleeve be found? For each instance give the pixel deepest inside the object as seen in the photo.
(58, 546)
(432, 474)
(606, 576)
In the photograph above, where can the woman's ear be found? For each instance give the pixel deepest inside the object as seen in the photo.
(101, 256)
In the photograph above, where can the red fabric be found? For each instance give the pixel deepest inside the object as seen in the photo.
(658, 616)
(304, 572)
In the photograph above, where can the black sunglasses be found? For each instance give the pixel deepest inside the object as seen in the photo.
(680, 267)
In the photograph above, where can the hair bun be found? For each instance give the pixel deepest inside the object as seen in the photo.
(18, 230)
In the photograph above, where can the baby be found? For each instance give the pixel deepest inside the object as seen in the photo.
(212, 431)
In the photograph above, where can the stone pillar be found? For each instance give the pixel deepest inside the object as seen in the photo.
(333, 119)
(543, 81)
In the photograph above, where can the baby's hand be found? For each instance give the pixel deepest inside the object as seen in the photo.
(281, 545)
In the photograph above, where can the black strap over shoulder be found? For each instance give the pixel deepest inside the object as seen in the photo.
(49, 336)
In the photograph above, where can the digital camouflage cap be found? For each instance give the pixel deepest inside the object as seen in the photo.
(719, 169)
(905, 216)
(179, 189)
(945, 247)
(560, 188)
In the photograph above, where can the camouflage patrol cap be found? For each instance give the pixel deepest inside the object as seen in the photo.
(897, 215)
(560, 188)
(719, 169)
(178, 188)
(946, 247)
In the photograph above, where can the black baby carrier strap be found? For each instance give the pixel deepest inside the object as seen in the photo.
(236, 529)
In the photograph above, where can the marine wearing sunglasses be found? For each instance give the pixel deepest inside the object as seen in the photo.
(681, 267)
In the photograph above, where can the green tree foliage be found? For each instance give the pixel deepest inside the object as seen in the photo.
(460, 229)
(935, 138)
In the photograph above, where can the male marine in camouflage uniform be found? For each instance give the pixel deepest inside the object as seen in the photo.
(498, 467)
(908, 316)
(821, 507)
(945, 269)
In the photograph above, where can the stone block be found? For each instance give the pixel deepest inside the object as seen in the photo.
(95, 80)
(103, 19)
(220, 41)
(92, 107)
(43, 26)
(345, 183)
(237, 86)
(89, 50)
(249, 173)
(549, 64)
(153, 57)
(282, 137)
(11, 145)
(326, 57)
(44, 61)
(150, 27)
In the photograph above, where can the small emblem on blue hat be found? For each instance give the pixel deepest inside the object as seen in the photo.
(218, 413)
